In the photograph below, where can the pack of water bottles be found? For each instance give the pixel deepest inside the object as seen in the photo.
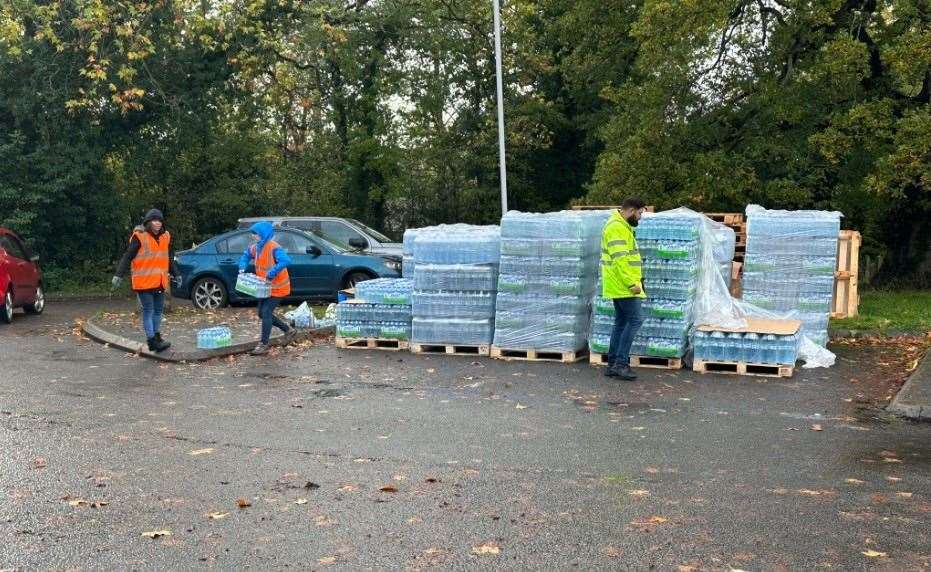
(549, 270)
(360, 319)
(790, 262)
(455, 281)
(407, 252)
(213, 338)
(395, 291)
(252, 285)
(761, 342)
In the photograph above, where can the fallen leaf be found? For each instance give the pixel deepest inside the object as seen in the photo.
(217, 515)
(638, 493)
(657, 520)
(816, 427)
(243, 503)
(432, 480)
(327, 560)
(651, 470)
(78, 502)
(39, 463)
(311, 486)
(519, 406)
(891, 460)
(683, 568)
(904, 495)
(855, 481)
(156, 533)
(300, 501)
(612, 552)
(347, 488)
(389, 489)
(486, 548)
(873, 554)
(197, 452)
(893, 479)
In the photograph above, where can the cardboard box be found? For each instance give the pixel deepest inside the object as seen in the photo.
(761, 326)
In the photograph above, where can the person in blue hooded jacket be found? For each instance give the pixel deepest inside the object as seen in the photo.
(271, 264)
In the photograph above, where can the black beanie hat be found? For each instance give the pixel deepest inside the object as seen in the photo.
(153, 214)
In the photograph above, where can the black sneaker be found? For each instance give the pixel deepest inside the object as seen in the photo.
(610, 371)
(260, 350)
(152, 343)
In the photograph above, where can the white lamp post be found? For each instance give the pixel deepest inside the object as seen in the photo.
(501, 162)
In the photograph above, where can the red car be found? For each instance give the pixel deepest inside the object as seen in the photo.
(20, 278)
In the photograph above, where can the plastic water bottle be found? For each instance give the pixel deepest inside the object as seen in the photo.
(733, 348)
(752, 353)
(716, 346)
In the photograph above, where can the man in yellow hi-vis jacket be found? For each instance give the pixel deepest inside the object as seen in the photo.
(622, 282)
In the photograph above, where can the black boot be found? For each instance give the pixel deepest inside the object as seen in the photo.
(162, 344)
(153, 344)
(624, 372)
(610, 371)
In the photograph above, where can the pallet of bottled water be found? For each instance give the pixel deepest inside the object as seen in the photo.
(789, 264)
(549, 271)
(251, 285)
(671, 249)
(360, 324)
(393, 291)
(455, 278)
(764, 347)
(213, 338)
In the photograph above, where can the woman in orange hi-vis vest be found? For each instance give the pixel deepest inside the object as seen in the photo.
(148, 259)
(271, 263)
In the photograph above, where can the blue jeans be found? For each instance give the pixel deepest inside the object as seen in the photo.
(627, 320)
(267, 314)
(153, 305)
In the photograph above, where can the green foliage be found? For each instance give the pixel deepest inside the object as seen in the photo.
(385, 111)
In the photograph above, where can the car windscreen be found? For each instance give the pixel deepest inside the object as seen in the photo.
(371, 231)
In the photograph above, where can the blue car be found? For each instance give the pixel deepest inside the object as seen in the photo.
(318, 268)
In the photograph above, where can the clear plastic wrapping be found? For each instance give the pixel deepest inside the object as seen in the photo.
(455, 284)
(549, 268)
(385, 291)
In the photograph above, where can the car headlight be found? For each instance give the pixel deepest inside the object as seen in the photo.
(393, 265)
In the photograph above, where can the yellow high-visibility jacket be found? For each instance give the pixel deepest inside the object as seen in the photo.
(621, 266)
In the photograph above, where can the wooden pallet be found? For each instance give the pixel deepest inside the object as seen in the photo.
(373, 344)
(449, 349)
(656, 362)
(538, 355)
(639, 361)
(726, 218)
(742, 368)
(846, 300)
(596, 358)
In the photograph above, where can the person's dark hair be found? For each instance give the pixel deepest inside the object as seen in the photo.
(632, 203)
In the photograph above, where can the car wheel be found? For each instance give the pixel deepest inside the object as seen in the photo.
(354, 278)
(6, 310)
(38, 306)
(209, 294)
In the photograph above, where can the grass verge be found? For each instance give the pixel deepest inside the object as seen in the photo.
(884, 312)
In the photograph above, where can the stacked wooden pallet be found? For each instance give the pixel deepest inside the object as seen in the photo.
(846, 294)
(736, 222)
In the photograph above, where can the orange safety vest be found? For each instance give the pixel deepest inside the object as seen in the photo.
(264, 262)
(150, 266)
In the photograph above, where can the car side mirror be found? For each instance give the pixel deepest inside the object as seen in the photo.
(314, 250)
(358, 243)
(34, 258)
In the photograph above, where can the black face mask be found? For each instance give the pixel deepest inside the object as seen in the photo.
(633, 221)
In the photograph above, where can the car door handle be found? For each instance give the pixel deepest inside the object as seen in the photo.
(227, 261)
